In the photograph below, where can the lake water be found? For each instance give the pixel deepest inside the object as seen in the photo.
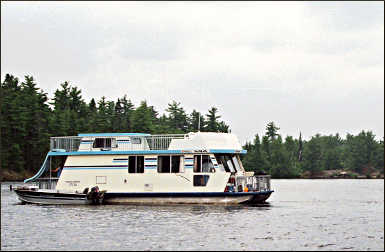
(300, 215)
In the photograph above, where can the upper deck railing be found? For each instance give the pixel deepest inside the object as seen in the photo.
(65, 143)
(162, 142)
(118, 143)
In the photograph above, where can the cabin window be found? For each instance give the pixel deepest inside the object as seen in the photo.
(229, 162)
(104, 143)
(202, 163)
(136, 140)
(136, 164)
(169, 164)
(201, 180)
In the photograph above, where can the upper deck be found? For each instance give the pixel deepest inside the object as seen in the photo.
(127, 143)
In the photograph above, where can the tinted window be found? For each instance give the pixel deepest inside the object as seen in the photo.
(104, 143)
(201, 180)
(136, 164)
(167, 164)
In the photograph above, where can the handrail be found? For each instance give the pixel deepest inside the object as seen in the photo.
(255, 182)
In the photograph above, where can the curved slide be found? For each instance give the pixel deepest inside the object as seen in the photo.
(40, 172)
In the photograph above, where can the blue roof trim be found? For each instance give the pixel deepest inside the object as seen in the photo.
(228, 151)
(137, 152)
(114, 134)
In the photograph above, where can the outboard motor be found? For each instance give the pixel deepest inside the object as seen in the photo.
(85, 191)
(93, 195)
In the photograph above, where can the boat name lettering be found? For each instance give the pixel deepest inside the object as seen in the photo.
(200, 150)
(73, 183)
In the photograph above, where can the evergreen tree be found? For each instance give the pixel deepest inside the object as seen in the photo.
(177, 118)
(271, 130)
(212, 120)
(300, 147)
(128, 109)
(194, 120)
(312, 156)
(141, 119)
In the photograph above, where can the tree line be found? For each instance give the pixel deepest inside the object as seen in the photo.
(29, 118)
(358, 154)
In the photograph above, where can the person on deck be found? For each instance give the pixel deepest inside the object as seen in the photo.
(58, 170)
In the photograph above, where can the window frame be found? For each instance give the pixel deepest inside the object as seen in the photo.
(201, 163)
(136, 164)
(180, 168)
(113, 143)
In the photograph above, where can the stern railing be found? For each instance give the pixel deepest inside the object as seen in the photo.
(257, 183)
(46, 183)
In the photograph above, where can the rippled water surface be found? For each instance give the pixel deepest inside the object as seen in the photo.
(300, 215)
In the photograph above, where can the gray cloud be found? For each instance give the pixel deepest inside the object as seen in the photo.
(309, 66)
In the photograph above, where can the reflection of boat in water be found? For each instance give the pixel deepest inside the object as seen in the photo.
(137, 168)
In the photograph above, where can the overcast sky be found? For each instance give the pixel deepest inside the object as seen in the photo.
(314, 67)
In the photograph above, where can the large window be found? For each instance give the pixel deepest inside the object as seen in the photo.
(104, 143)
(136, 164)
(202, 163)
(229, 162)
(169, 164)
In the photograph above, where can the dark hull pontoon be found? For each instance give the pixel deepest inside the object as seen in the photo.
(56, 198)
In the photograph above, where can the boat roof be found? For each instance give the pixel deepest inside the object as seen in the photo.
(112, 134)
(193, 142)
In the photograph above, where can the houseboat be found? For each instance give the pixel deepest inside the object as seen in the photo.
(138, 168)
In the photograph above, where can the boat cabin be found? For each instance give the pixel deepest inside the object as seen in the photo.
(138, 162)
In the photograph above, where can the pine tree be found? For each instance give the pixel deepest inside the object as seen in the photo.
(271, 130)
(194, 120)
(142, 119)
(212, 120)
(177, 118)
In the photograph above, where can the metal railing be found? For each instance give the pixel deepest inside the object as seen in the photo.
(65, 144)
(257, 183)
(120, 143)
(162, 142)
(46, 183)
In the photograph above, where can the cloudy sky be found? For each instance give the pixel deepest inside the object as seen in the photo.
(314, 67)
